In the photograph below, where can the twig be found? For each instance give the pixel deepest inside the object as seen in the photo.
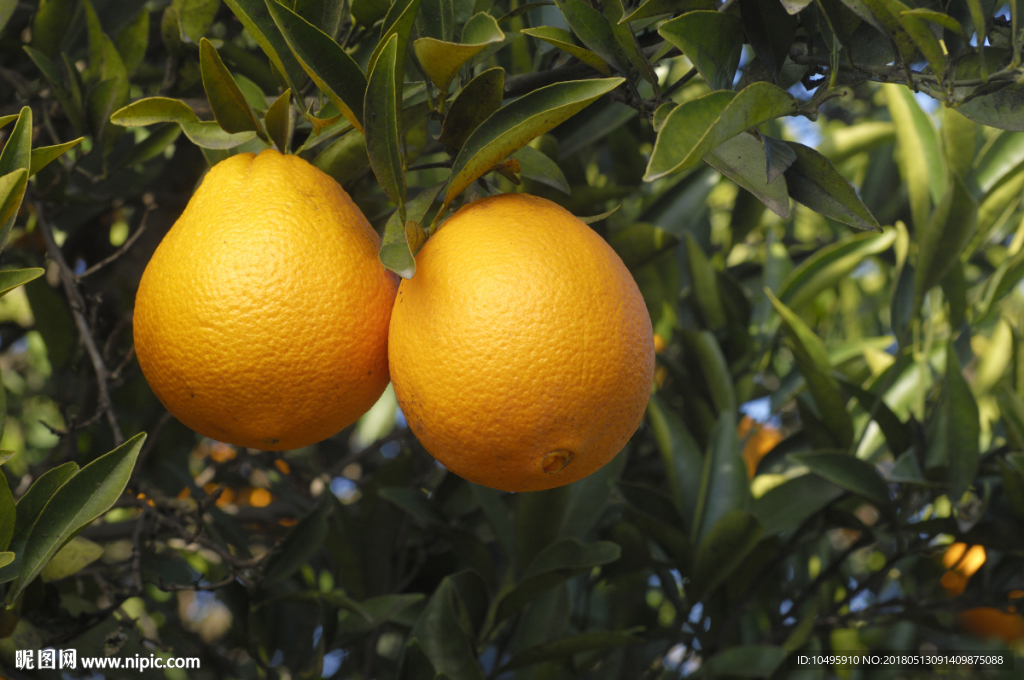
(78, 308)
(196, 585)
(671, 89)
(123, 249)
(430, 166)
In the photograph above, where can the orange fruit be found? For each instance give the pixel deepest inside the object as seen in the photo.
(961, 563)
(262, 318)
(521, 352)
(761, 439)
(989, 622)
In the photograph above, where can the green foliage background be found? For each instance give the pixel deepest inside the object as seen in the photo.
(817, 245)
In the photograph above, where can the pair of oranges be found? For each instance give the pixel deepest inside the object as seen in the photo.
(521, 352)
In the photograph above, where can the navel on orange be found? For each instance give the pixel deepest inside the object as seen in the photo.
(521, 352)
(262, 318)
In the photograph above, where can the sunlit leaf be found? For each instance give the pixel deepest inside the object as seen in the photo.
(511, 127)
(206, 134)
(699, 125)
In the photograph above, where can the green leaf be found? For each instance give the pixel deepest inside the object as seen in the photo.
(593, 219)
(346, 159)
(302, 543)
(745, 661)
(255, 17)
(722, 550)
(594, 31)
(438, 17)
(939, 18)
(511, 127)
(78, 502)
(537, 520)
(416, 503)
(590, 497)
(207, 135)
(640, 243)
(44, 155)
(614, 10)
(1012, 472)
(705, 286)
(555, 564)
(170, 30)
(415, 664)
(779, 157)
(921, 35)
(999, 109)
(328, 65)
(12, 192)
(570, 554)
(497, 513)
(945, 235)
(653, 8)
(442, 637)
(7, 513)
(6, 558)
(196, 16)
(682, 458)
(850, 473)
(77, 554)
(813, 362)
(441, 60)
(1003, 154)
(955, 429)
(742, 159)
(816, 183)
(699, 125)
(70, 101)
(704, 346)
(398, 22)
(563, 40)
(38, 495)
(770, 30)
(153, 145)
(724, 485)
(396, 251)
(886, 15)
(830, 265)
(712, 41)
(379, 610)
(17, 151)
(785, 507)
(656, 518)
(896, 433)
(539, 167)
(6, 455)
(566, 647)
(227, 102)
(12, 278)
(132, 40)
(480, 98)
(383, 137)
(959, 140)
(921, 163)
(279, 121)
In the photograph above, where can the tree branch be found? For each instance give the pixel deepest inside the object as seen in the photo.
(67, 277)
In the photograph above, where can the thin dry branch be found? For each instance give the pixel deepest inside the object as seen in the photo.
(78, 311)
